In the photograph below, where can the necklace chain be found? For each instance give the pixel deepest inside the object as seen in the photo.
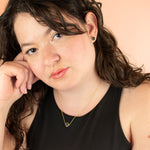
(67, 124)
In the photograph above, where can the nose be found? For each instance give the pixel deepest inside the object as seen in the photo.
(51, 57)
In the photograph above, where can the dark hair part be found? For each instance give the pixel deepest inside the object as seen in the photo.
(111, 64)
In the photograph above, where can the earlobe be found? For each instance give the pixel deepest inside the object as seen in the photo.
(91, 22)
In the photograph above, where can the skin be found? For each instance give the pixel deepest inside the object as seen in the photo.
(51, 55)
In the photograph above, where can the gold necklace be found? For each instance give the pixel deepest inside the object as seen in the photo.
(67, 124)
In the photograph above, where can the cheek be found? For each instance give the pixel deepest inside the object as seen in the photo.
(82, 49)
(77, 47)
(35, 68)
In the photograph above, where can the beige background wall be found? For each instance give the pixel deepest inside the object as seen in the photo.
(2, 5)
(129, 20)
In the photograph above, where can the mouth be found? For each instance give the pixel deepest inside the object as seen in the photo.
(59, 73)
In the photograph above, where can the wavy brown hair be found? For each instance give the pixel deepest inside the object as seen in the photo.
(111, 64)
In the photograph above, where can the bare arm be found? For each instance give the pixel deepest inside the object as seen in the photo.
(135, 116)
(140, 125)
(3, 117)
(15, 78)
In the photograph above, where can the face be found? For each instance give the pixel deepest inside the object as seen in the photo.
(60, 61)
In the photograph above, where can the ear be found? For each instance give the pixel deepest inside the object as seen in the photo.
(91, 22)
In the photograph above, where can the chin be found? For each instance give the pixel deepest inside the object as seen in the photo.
(63, 84)
(64, 87)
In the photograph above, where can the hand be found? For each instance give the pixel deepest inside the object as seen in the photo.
(15, 78)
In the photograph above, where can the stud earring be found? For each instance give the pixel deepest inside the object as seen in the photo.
(93, 38)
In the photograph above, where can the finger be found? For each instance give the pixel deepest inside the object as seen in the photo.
(23, 87)
(21, 80)
(12, 69)
(35, 79)
(19, 57)
(20, 60)
(17, 74)
(30, 80)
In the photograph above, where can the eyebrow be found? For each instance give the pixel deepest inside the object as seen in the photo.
(28, 44)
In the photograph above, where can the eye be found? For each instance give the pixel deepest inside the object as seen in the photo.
(31, 51)
(57, 36)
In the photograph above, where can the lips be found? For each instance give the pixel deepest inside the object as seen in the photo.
(59, 73)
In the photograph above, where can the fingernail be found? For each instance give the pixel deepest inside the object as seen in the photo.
(25, 91)
(29, 86)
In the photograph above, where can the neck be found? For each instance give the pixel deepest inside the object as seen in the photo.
(80, 99)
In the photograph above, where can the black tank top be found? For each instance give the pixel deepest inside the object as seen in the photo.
(100, 129)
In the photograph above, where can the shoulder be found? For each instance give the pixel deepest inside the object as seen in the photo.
(140, 90)
(137, 98)
(135, 109)
(137, 95)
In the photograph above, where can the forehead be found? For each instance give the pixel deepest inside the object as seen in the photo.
(25, 20)
(27, 17)
(27, 28)
(25, 25)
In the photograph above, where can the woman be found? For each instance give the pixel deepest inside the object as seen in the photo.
(70, 87)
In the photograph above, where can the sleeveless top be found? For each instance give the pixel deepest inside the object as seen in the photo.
(100, 129)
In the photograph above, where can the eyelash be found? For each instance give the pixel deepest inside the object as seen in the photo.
(32, 49)
(57, 34)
